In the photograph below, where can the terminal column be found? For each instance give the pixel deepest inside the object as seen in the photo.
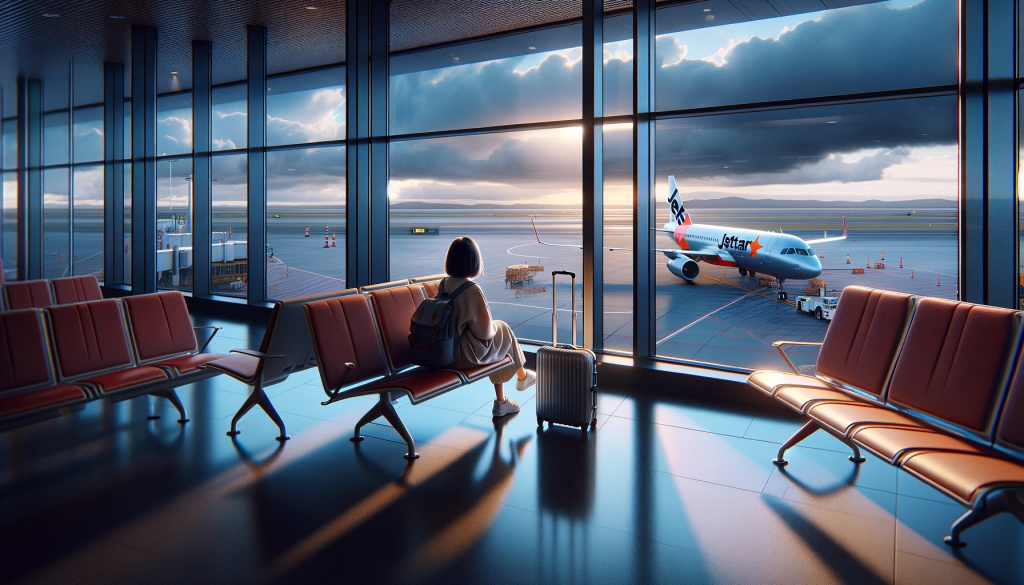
(30, 179)
(143, 159)
(593, 174)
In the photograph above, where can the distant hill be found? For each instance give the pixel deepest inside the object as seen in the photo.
(722, 203)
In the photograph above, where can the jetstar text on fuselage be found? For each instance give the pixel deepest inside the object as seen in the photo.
(733, 243)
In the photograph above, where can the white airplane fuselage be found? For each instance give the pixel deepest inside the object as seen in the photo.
(780, 255)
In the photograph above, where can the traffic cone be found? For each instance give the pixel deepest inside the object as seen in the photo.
(327, 237)
(937, 281)
(307, 233)
(334, 243)
(911, 273)
(847, 258)
(883, 256)
(901, 261)
(822, 255)
(229, 232)
(869, 263)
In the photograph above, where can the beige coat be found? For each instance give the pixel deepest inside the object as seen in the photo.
(488, 340)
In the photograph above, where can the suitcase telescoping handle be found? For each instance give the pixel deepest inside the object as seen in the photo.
(554, 307)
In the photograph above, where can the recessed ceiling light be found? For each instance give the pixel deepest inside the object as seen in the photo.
(311, 8)
(709, 17)
(532, 48)
(48, 15)
(707, 10)
(174, 72)
(291, 169)
(118, 17)
(455, 58)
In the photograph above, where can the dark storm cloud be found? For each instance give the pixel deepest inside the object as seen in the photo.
(854, 50)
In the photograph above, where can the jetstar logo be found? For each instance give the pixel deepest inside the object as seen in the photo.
(755, 246)
(733, 243)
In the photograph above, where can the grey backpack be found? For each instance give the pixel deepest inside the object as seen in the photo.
(432, 335)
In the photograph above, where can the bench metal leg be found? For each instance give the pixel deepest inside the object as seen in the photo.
(805, 431)
(259, 398)
(1004, 501)
(371, 415)
(387, 410)
(171, 395)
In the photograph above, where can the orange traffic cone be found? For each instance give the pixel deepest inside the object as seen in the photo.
(911, 273)
(869, 263)
(307, 233)
(847, 258)
(901, 261)
(883, 256)
(334, 243)
(327, 237)
(937, 281)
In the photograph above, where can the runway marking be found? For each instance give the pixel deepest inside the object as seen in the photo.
(770, 298)
(510, 252)
(699, 319)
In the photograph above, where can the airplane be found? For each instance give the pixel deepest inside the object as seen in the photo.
(783, 256)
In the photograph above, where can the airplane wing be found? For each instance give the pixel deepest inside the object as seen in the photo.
(578, 247)
(823, 240)
(667, 251)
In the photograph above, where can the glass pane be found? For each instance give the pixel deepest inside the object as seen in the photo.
(10, 142)
(711, 55)
(490, 187)
(10, 225)
(229, 266)
(88, 221)
(56, 246)
(229, 116)
(528, 77)
(306, 107)
(174, 224)
(55, 138)
(128, 129)
(305, 195)
(174, 124)
(89, 134)
(618, 233)
(756, 184)
(127, 223)
(618, 65)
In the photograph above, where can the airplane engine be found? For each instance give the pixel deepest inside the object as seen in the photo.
(685, 268)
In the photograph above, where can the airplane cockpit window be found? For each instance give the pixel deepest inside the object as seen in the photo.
(810, 252)
(801, 251)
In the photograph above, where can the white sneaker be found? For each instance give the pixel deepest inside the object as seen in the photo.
(502, 408)
(529, 380)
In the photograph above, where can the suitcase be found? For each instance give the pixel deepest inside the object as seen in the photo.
(566, 375)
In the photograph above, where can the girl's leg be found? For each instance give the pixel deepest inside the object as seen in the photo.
(499, 392)
(521, 374)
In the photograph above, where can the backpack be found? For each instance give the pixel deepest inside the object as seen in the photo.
(432, 335)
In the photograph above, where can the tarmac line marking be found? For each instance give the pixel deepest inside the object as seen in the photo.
(770, 298)
(701, 318)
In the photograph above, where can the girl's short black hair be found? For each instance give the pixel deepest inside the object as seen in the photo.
(463, 259)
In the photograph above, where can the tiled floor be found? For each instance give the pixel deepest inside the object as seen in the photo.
(670, 489)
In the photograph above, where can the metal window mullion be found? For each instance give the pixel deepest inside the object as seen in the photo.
(202, 140)
(113, 173)
(71, 167)
(593, 175)
(643, 171)
(357, 151)
(30, 194)
(256, 55)
(1001, 161)
(380, 260)
(143, 159)
(972, 151)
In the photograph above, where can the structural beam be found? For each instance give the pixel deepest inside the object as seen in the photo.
(202, 142)
(593, 174)
(256, 56)
(30, 179)
(113, 174)
(643, 179)
(380, 267)
(143, 159)
(357, 152)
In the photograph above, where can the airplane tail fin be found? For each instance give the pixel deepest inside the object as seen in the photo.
(844, 227)
(675, 203)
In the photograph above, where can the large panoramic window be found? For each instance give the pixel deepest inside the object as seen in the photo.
(174, 223)
(305, 221)
(306, 107)
(230, 112)
(9, 128)
(174, 124)
(87, 203)
(709, 54)
(56, 225)
(55, 138)
(494, 188)
(88, 134)
(766, 193)
(618, 233)
(10, 225)
(229, 266)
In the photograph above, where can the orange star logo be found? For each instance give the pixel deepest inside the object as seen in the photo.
(755, 246)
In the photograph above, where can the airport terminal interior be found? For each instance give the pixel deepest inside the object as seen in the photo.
(776, 245)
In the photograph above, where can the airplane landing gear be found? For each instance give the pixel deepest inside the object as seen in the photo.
(782, 295)
(743, 272)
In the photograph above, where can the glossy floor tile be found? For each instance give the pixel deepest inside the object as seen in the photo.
(669, 489)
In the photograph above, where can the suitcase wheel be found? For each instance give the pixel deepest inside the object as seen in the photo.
(540, 422)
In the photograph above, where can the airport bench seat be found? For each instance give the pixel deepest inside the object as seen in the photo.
(76, 289)
(27, 294)
(939, 415)
(378, 365)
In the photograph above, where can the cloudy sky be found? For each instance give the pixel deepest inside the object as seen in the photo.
(900, 149)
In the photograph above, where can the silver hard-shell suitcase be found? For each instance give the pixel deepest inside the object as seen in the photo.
(566, 375)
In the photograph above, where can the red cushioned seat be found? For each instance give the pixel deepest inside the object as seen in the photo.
(892, 444)
(77, 289)
(123, 379)
(89, 338)
(844, 418)
(770, 382)
(189, 363)
(343, 331)
(394, 308)
(963, 475)
(800, 398)
(161, 326)
(24, 357)
(419, 384)
(955, 362)
(41, 399)
(430, 288)
(32, 294)
(478, 372)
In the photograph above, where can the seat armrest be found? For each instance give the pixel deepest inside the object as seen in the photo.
(257, 354)
(209, 339)
(778, 345)
(348, 370)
